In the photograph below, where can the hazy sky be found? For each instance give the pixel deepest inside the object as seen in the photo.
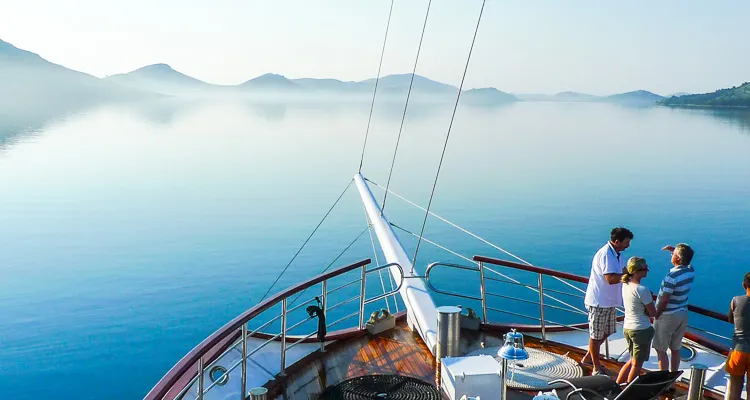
(524, 46)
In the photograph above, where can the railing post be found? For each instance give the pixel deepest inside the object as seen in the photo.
(362, 298)
(503, 382)
(697, 376)
(482, 291)
(200, 378)
(324, 303)
(606, 347)
(259, 393)
(282, 371)
(243, 382)
(541, 309)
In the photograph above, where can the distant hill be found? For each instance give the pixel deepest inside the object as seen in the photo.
(575, 96)
(532, 97)
(678, 94)
(160, 78)
(269, 82)
(560, 97)
(331, 85)
(28, 79)
(736, 96)
(399, 83)
(638, 96)
(488, 96)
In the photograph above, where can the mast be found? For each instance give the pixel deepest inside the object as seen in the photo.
(421, 310)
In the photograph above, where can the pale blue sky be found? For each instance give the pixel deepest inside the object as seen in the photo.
(525, 46)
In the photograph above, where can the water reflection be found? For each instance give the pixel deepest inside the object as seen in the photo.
(163, 111)
(738, 118)
(270, 111)
(18, 124)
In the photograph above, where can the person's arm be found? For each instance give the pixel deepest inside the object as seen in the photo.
(647, 300)
(613, 279)
(667, 287)
(612, 270)
(668, 248)
(662, 304)
(731, 311)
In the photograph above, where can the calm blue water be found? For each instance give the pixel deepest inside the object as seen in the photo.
(128, 233)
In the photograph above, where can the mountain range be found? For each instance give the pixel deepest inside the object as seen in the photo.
(161, 78)
(634, 97)
(26, 78)
(30, 79)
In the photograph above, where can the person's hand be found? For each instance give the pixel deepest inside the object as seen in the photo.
(668, 248)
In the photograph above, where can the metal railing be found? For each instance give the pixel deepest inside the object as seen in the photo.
(487, 274)
(548, 299)
(695, 334)
(191, 372)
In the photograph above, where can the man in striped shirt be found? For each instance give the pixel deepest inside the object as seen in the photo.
(671, 307)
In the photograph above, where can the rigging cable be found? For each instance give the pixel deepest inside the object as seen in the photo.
(332, 262)
(377, 262)
(406, 105)
(374, 92)
(511, 280)
(306, 240)
(447, 136)
(468, 232)
(462, 229)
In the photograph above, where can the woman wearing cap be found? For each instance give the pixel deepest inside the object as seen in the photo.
(639, 306)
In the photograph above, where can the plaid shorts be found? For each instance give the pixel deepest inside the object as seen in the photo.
(602, 321)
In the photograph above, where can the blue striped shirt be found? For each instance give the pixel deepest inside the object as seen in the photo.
(677, 285)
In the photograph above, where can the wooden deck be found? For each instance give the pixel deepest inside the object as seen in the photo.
(399, 351)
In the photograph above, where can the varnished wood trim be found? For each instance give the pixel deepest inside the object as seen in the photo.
(276, 386)
(342, 334)
(529, 268)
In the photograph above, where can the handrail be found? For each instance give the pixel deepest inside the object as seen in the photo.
(531, 268)
(386, 294)
(708, 313)
(458, 266)
(577, 278)
(195, 355)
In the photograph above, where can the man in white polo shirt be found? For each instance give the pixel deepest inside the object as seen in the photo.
(604, 292)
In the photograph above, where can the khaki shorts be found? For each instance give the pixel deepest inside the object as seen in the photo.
(670, 328)
(639, 343)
